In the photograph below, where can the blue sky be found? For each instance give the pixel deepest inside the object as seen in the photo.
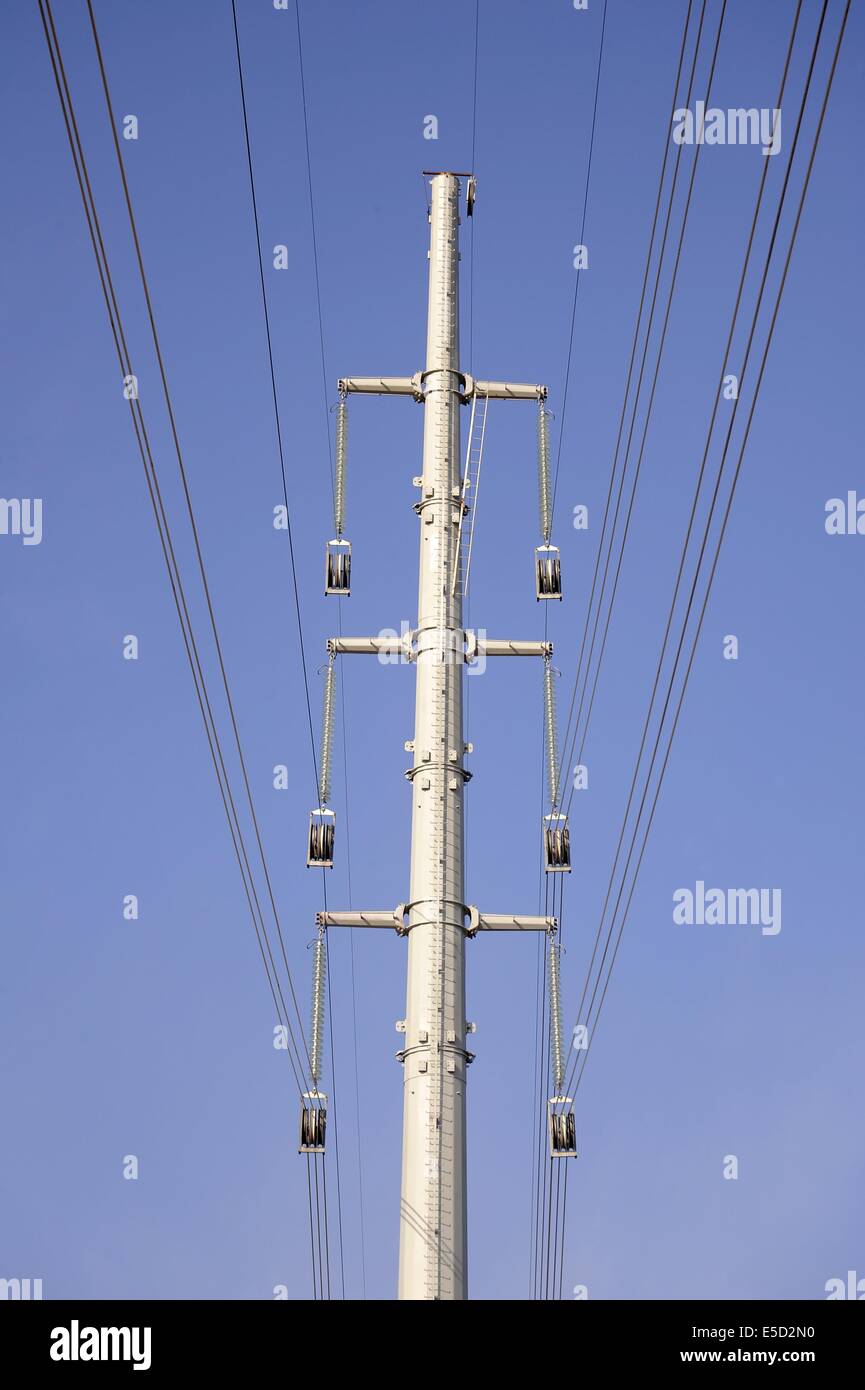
(154, 1037)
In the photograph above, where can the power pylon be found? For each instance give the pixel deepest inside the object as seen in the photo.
(436, 918)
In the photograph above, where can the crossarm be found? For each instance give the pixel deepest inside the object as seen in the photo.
(478, 646)
(382, 386)
(493, 921)
(392, 645)
(395, 920)
(414, 386)
(507, 390)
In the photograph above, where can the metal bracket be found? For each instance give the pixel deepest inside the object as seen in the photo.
(449, 768)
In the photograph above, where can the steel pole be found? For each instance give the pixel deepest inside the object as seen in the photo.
(432, 1261)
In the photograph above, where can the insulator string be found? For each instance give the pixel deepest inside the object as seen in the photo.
(341, 461)
(557, 1064)
(317, 1018)
(545, 494)
(551, 735)
(327, 715)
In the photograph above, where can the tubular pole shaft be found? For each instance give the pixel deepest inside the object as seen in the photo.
(433, 1228)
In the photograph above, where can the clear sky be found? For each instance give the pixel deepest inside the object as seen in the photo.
(154, 1037)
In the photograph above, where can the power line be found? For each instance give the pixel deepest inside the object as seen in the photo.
(538, 1062)
(543, 1160)
(536, 1087)
(311, 1238)
(730, 497)
(278, 426)
(190, 510)
(724, 523)
(636, 474)
(636, 337)
(163, 529)
(541, 1070)
(561, 1214)
(315, 1171)
(474, 172)
(706, 529)
(536, 1235)
(548, 1226)
(194, 527)
(312, 222)
(342, 698)
(694, 503)
(540, 1223)
(275, 396)
(561, 1187)
(564, 1231)
(335, 1127)
(579, 277)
